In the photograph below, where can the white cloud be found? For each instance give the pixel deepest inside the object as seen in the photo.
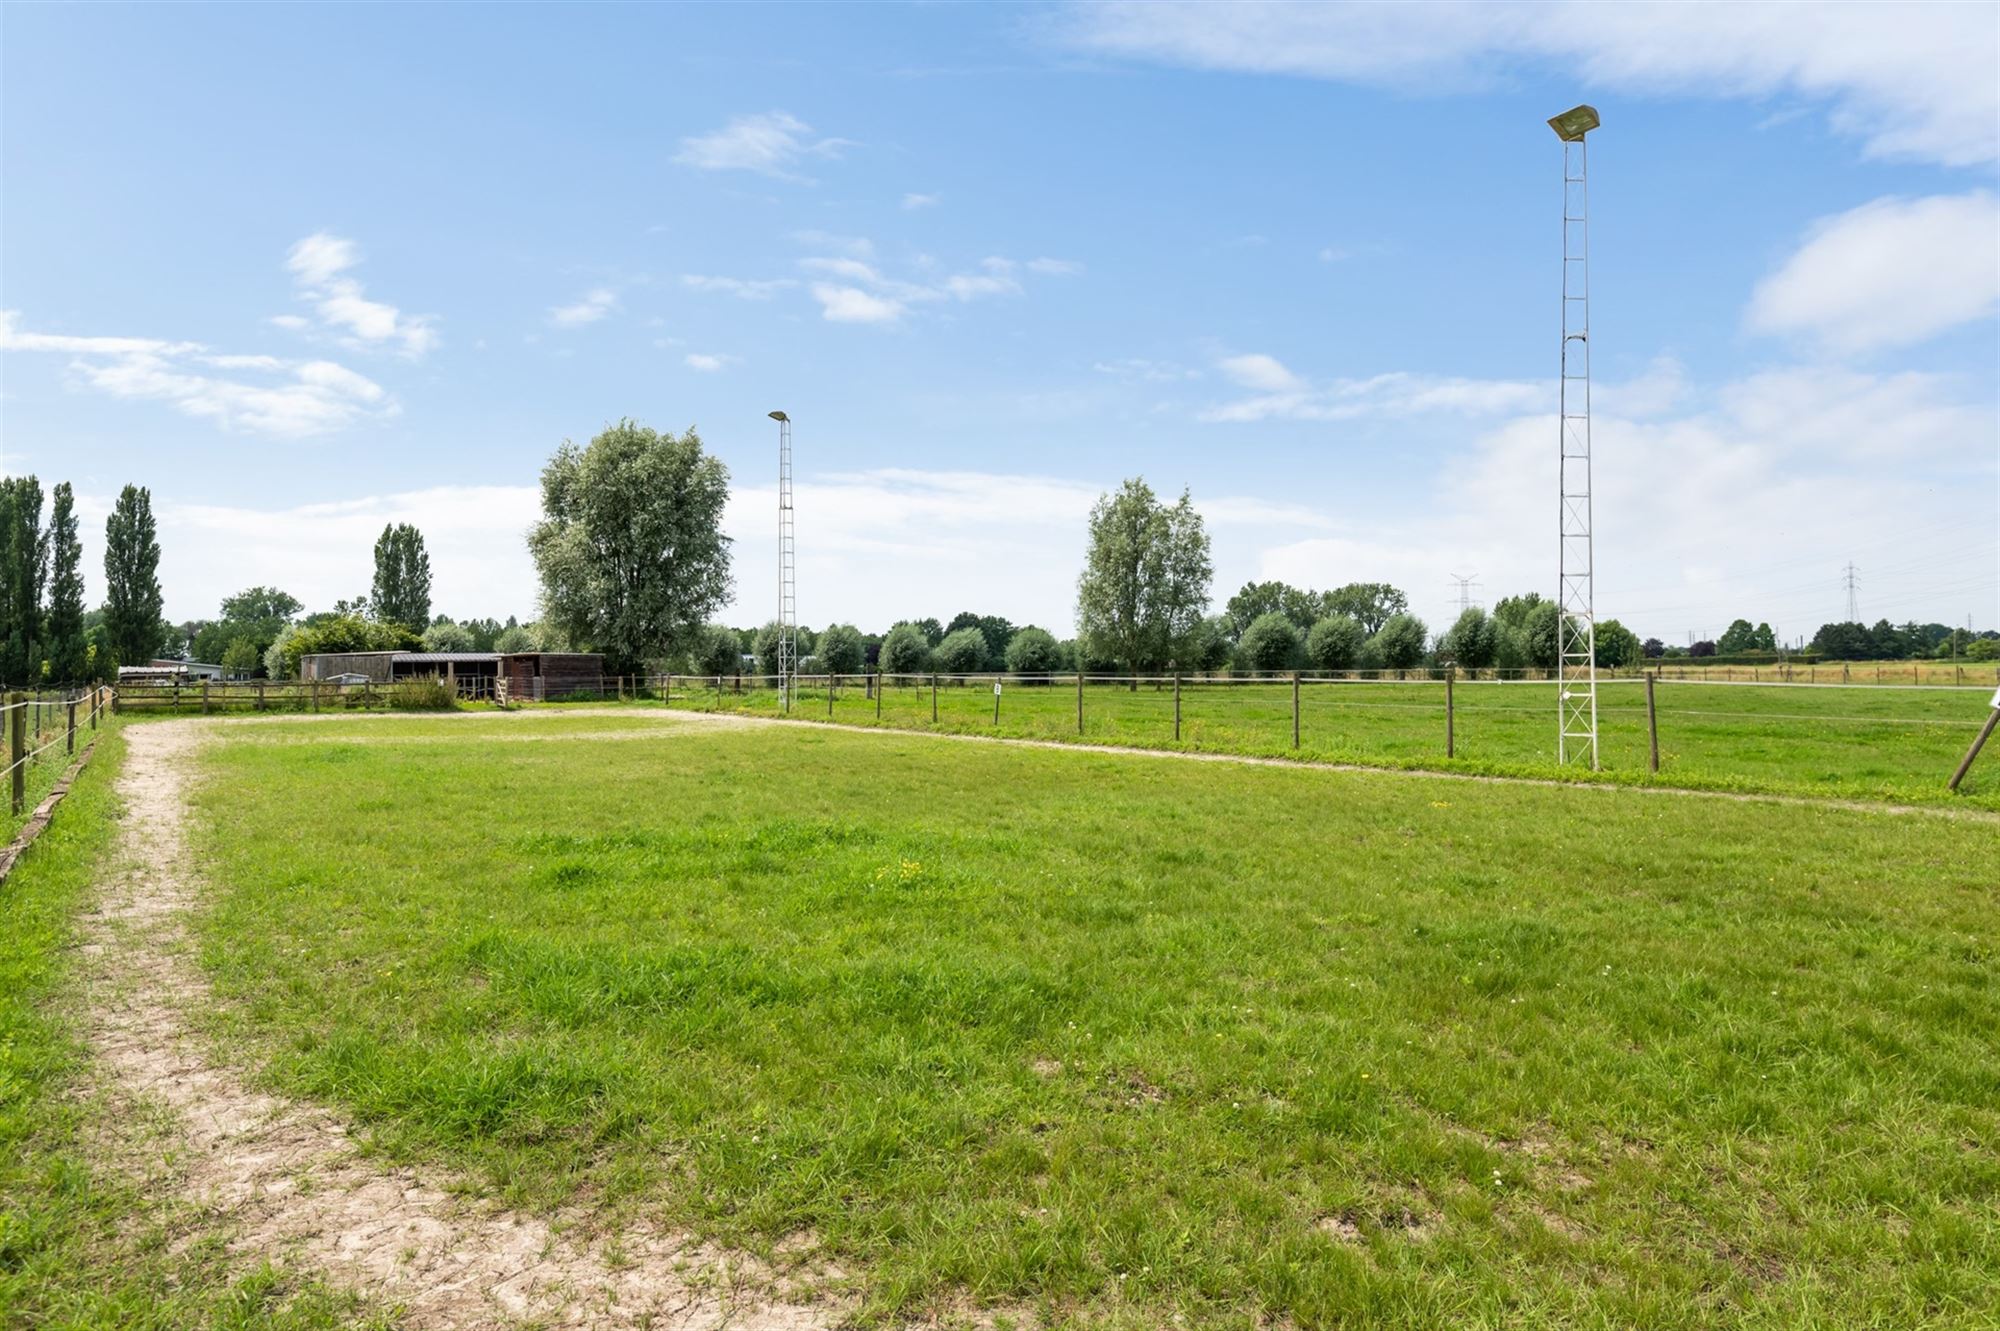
(854, 247)
(322, 552)
(588, 309)
(771, 144)
(1258, 371)
(912, 202)
(1912, 81)
(317, 265)
(852, 270)
(1281, 395)
(320, 258)
(287, 399)
(1658, 389)
(1134, 369)
(706, 363)
(971, 286)
(741, 288)
(860, 292)
(851, 305)
(1055, 267)
(1747, 506)
(1889, 273)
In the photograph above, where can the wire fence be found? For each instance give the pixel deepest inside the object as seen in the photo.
(43, 727)
(1852, 735)
(1858, 738)
(203, 697)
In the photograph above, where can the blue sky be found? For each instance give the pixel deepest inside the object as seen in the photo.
(304, 270)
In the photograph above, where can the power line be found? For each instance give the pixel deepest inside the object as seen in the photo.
(1853, 605)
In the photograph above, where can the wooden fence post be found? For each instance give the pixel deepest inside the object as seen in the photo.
(1652, 729)
(1295, 709)
(17, 748)
(72, 726)
(260, 695)
(829, 696)
(1992, 719)
(1079, 700)
(1450, 718)
(996, 700)
(1177, 706)
(933, 697)
(204, 695)
(878, 695)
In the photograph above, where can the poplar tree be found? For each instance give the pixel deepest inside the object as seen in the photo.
(24, 568)
(132, 578)
(402, 590)
(68, 651)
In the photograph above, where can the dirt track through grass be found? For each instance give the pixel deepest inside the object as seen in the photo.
(1122, 1040)
(646, 718)
(295, 1182)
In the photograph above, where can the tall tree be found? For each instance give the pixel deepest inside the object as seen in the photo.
(1373, 603)
(1303, 607)
(1145, 579)
(24, 571)
(263, 606)
(1472, 640)
(402, 590)
(132, 578)
(69, 651)
(631, 553)
(996, 629)
(1740, 636)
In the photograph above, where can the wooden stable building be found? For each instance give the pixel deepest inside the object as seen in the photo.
(535, 676)
(530, 676)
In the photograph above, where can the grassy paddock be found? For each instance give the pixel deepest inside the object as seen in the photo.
(1850, 742)
(1121, 1040)
(85, 1245)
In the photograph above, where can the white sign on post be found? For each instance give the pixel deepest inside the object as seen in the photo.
(1996, 699)
(996, 693)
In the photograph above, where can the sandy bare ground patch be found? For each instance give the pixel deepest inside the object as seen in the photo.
(292, 1185)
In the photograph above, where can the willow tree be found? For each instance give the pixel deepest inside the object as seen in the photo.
(1145, 580)
(630, 549)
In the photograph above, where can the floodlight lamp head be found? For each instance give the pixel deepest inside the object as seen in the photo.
(1574, 123)
(778, 416)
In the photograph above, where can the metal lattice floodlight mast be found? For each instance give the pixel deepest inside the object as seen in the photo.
(788, 591)
(1576, 619)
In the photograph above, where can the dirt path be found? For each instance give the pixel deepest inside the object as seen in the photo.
(292, 1184)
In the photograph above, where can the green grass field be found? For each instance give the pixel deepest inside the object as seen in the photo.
(89, 1243)
(1125, 1041)
(1895, 744)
